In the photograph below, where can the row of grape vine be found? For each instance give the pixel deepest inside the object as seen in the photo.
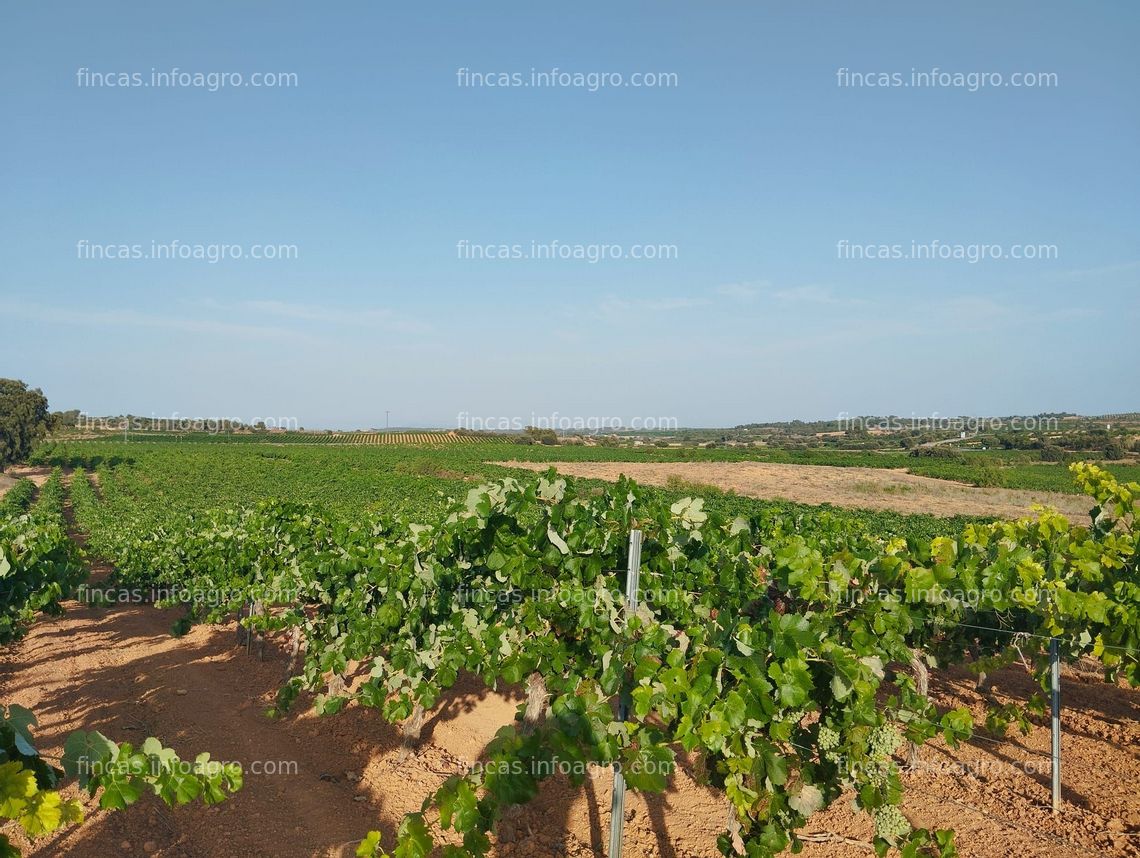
(769, 652)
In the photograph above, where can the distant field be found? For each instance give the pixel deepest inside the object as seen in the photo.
(413, 474)
(356, 479)
(357, 438)
(373, 438)
(465, 454)
(1006, 469)
(874, 488)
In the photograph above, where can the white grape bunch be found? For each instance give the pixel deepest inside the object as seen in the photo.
(890, 824)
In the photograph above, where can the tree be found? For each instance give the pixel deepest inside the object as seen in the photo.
(23, 419)
(1114, 449)
(540, 436)
(61, 421)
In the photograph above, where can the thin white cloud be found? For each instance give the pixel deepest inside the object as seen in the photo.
(974, 305)
(742, 291)
(751, 291)
(125, 317)
(972, 312)
(357, 317)
(1100, 271)
(613, 306)
(812, 294)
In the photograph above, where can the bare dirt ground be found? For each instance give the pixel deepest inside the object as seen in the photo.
(867, 488)
(325, 782)
(314, 786)
(13, 473)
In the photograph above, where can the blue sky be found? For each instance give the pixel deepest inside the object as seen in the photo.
(754, 167)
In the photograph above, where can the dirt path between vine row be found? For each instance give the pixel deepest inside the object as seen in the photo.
(325, 782)
(866, 488)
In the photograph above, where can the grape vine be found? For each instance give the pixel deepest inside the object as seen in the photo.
(762, 649)
(119, 773)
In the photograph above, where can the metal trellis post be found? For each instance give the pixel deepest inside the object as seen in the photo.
(617, 803)
(1055, 677)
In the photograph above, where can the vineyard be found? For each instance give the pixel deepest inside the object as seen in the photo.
(604, 430)
(783, 651)
(455, 451)
(427, 439)
(40, 566)
(381, 438)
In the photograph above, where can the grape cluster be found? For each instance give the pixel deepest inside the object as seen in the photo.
(828, 739)
(890, 824)
(884, 741)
